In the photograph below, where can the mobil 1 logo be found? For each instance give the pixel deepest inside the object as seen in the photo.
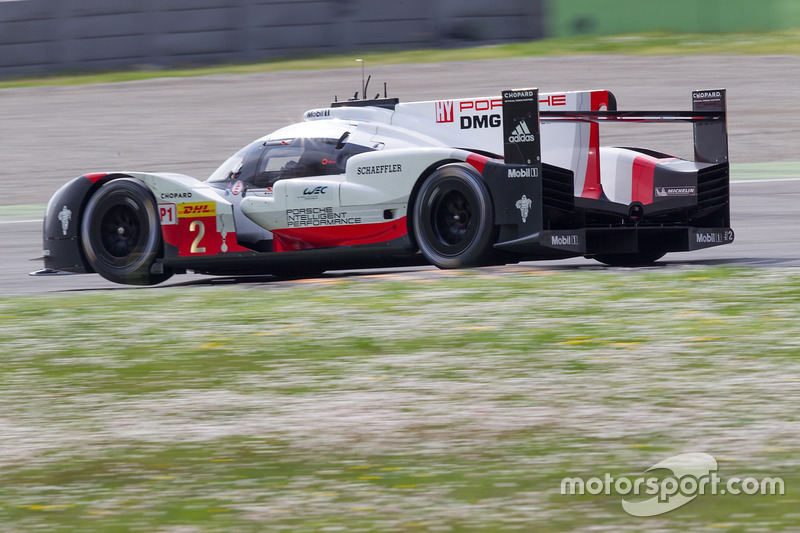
(521, 144)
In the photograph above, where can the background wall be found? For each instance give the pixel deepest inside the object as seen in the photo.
(567, 18)
(44, 36)
(56, 36)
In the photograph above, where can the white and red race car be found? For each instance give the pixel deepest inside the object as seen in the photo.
(455, 183)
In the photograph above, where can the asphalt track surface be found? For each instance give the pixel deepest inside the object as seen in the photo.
(49, 135)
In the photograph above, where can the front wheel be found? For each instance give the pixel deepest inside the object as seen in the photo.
(120, 233)
(453, 219)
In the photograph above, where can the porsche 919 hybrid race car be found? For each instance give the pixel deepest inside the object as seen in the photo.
(454, 183)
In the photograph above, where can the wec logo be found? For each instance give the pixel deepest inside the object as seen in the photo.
(315, 191)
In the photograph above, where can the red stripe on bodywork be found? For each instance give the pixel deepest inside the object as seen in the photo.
(97, 176)
(591, 185)
(290, 239)
(644, 167)
(193, 241)
(477, 161)
(170, 234)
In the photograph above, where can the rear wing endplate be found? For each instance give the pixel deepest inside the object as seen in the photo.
(710, 136)
(521, 143)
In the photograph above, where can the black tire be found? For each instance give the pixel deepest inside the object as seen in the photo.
(642, 258)
(120, 233)
(453, 219)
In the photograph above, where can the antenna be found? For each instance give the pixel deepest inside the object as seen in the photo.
(363, 85)
(360, 99)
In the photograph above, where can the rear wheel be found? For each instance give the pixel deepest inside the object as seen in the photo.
(120, 233)
(453, 219)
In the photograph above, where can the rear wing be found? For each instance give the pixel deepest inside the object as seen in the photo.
(708, 116)
(521, 113)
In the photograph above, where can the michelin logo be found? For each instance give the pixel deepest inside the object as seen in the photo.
(524, 205)
(64, 216)
(521, 134)
(663, 192)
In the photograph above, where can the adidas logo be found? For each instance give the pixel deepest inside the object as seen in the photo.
(521, 134)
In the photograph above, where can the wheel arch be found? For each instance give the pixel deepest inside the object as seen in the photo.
(412, 197)
(87, 242)
(63, 251)
(470, 246)
(96, 185)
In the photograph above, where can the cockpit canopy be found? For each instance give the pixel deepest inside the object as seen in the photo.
(262, 163)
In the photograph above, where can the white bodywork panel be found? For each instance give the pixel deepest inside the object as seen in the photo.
(477, 124)
(375, 182)
(409, 139)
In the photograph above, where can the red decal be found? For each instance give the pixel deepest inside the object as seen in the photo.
(554, 100)
(644, 167)
(444, 112)
(167, 214)
(290, 239)
(199, 236)
(170, 234)
(94, 178)
(480, 105)
(591, 185)
(238, 185)
(477, 161)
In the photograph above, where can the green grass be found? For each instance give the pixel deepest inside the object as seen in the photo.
(439, 401)
(767, 43)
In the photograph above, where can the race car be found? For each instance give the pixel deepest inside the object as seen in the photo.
(376, 182)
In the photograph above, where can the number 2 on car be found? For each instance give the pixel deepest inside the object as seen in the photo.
(196, 235)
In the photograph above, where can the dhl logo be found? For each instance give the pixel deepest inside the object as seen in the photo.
(197, 209)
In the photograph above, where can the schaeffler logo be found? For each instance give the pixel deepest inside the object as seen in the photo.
(693, 474)
(521, 134)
